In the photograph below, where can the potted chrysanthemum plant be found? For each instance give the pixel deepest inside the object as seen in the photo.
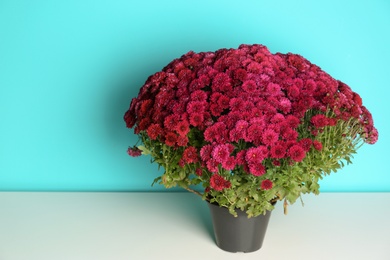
(244, 128)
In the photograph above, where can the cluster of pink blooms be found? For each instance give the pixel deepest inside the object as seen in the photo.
(245, 95)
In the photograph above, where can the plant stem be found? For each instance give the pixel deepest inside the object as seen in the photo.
(193, 191)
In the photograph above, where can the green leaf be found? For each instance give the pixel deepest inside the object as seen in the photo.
(157, 180)
(145, 151)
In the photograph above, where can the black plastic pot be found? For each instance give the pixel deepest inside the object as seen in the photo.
(238, 234)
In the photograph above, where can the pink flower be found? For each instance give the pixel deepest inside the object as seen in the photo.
(317, 145)
(298, 83)
(190, 155)
(241, 126)
(143, 125)
(235, 104)
(235, 136)
(257, 169)
(196, 84)
(239, 74)
(199, 171)
(290, 134)
(223, 101)
(278, 151)
(254, 134)
(249, 86)
(292, 121)
(212, 165)
(170, 139)
(146, 106)
(310, 85)
(254, 67)
(182, 140)
(247, 106)
(293, 92)
(229, 163)
(216, 110)
(273, 89)
(221, 153)
(372, 136)
(240, 157)
(154, 130)
(134, 151)
(196, 107)
(196, 119)
(256, 154)
(357, 99)
(319, 120)
(218, 183)
(276, 163)
(182, 128)
(129, 119)
(297, 153)
(277, 119)
(266, 184)
(221, 83)
(205, 152)
(171, 121)
(305, 143)
(217, 133)
(285, 105)
(269, 137)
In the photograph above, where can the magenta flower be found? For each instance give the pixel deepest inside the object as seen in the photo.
(319, 120)
(278, 151)
(170, 139)
(205, 152)
(134, 151)
(190, 155)
(266, 184)
(249, 86)
(229, 164)
(182, 128)
(257, 169)
(154, 131)
(269, 137)
(305, 143)
(256, 155)
(218, 183)
(297, 153)
(196, 107)
(317, 145)
(220, 153)
(196, 119)
(212, 165)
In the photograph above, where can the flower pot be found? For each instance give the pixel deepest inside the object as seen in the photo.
(238, 234)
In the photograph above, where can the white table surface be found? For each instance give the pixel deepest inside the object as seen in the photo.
(98, 225)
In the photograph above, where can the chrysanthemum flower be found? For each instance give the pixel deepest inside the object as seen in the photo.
(269, 137)
(266, 184)
(220, 153)
(134, 151)
(278, 151)
(317, 145)
(218, 183)
(154, 130)
(182, 128)
(257, 169)
(190, 155)
(297, 153)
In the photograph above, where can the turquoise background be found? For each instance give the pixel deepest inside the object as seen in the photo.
(68, 70)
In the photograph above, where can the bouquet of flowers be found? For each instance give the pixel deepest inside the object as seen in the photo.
(250, 126)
